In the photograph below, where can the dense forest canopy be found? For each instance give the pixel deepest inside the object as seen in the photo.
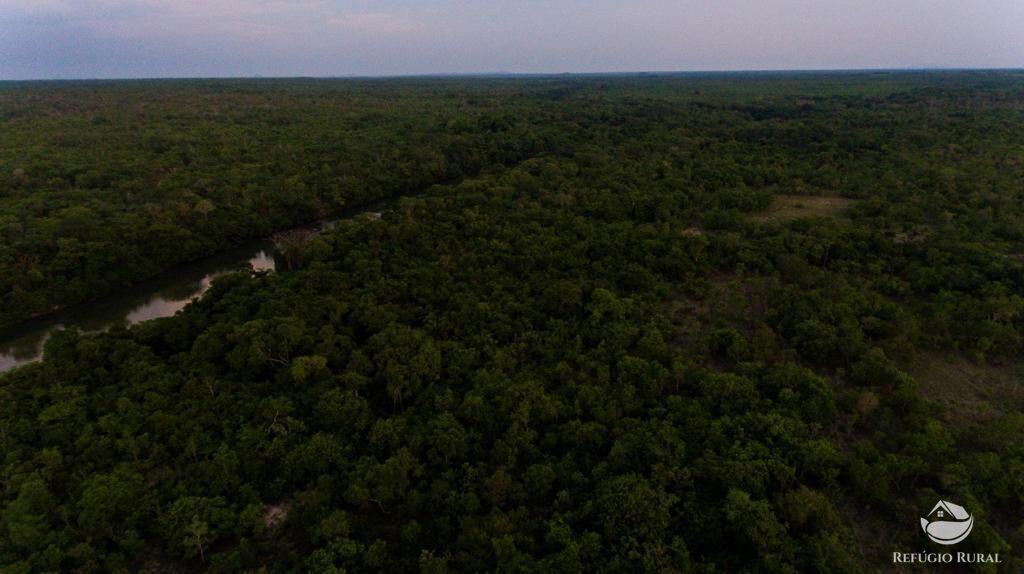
(694, 323)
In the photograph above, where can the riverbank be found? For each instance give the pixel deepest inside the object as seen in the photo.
(156, 297)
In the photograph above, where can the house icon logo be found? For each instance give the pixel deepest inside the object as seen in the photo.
(947, 523)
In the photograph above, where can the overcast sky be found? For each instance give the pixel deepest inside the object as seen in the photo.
(162, 38)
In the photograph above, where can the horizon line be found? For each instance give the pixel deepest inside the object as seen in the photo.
(425, 75)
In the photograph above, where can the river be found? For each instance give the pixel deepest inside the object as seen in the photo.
(161, 296)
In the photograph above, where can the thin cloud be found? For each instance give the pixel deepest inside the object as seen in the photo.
(376, 23)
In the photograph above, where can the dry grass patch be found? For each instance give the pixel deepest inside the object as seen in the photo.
(786, 207)
(970, 392)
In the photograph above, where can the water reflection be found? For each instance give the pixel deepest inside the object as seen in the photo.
(160, 297)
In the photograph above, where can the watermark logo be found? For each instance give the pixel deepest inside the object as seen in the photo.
(947, 523)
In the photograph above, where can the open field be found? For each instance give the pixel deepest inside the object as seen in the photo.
(787, 207)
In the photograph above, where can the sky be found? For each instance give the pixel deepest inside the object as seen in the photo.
(42, 39)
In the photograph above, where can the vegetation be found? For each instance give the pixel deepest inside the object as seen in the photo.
(102, 185)
(590, 347)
